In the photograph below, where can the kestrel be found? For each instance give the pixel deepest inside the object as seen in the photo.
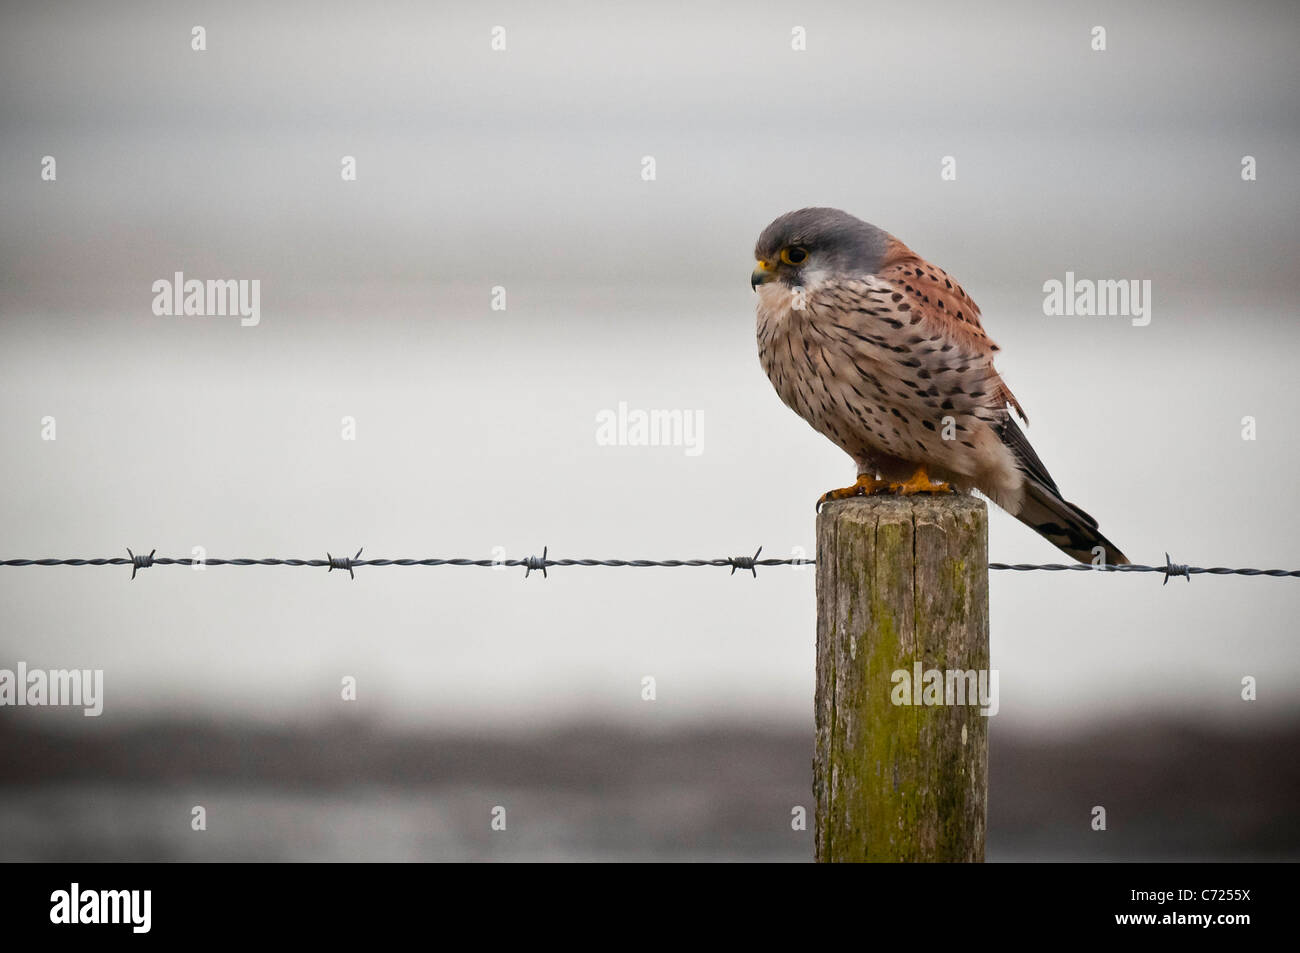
(883, 353)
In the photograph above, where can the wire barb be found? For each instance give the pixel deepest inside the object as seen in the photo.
(1174, 569)
(746, 562)
(536, 562)
(140, 562)
(343, 562)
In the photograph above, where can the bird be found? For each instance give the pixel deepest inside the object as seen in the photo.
(884, 354)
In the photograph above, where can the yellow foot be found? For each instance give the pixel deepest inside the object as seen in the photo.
(919, 482)
(865, 486)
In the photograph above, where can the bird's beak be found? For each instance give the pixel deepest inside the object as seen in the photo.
(763, 273)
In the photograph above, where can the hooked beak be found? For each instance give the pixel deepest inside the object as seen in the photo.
(763, 273)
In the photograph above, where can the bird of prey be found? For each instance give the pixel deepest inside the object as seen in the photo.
(884, 354)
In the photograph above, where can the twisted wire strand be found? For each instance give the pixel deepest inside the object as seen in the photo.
(544, 562)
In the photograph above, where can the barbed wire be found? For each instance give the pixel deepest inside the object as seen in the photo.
(351, 563)
(1169, 569)
(544, 562)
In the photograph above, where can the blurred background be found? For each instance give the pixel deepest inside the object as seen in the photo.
(521, 168)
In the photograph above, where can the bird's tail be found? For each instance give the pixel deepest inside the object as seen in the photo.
(1064, 525)
(1047, 513)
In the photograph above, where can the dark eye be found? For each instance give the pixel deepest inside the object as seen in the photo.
(794, 255)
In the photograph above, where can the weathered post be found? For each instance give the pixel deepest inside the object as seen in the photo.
(901, 580)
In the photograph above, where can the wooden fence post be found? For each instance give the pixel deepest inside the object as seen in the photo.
(900, 581)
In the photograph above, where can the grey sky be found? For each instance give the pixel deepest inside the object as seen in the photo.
(476, 428)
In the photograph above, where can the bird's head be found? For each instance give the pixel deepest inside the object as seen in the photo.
(802, 248)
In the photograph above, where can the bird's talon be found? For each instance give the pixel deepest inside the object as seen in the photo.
(865, 486)
(919, 482)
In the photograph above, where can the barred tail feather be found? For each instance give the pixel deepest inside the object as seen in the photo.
(1046, 512)
(1064, 525)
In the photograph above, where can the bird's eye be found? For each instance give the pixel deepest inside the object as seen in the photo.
(794, 255)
